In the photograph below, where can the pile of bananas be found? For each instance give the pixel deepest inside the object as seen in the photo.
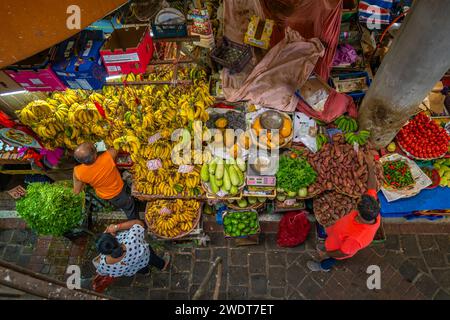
(171, 218)
(346, 124)
(360, 138)
(66, 119)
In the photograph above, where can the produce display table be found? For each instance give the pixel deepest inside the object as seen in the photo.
(428, 199)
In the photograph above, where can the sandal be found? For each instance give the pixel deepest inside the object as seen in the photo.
(166, 258)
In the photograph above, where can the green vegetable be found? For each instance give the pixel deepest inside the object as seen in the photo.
(51, 209)
(226, 180)
(241, 164)
(205, 172)
(234, 176)
(214, 187)
(294, 174)
(219, 170)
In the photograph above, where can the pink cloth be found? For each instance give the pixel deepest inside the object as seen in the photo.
(283, 70)
(336, 105)
(52, 157)
(345, 54)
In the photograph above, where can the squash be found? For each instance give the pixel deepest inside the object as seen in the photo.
(221, 123)
(257, 126)
(286, 128)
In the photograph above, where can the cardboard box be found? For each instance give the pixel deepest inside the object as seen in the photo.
(78, 63)
(35, 73)
(7, 84)
(127, 51)
(259, 32)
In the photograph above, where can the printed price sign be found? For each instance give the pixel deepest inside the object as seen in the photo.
(17, 192)
(165, 210)
(154, 164)
(185, 168)
(290, 202)
(154, 138)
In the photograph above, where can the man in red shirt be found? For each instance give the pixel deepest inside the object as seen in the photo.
(353, 231)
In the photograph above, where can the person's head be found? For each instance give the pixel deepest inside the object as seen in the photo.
(86, 153)
(107, 244)
(368, 208)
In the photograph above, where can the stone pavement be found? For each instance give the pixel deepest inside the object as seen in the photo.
(414, 262)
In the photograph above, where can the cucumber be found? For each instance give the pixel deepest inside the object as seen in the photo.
(240, 174)
(219, 170)
(226, 180)
(214, 187)
(241, 164)
(234, 176)
(204, 173)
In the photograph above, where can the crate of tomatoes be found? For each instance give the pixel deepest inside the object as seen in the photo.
(423, 139)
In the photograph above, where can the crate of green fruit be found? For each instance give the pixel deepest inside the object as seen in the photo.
(240, 224)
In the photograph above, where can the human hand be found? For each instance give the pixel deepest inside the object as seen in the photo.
(112, 228)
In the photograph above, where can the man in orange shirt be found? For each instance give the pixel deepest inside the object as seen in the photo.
(100, 172)
(354, 231)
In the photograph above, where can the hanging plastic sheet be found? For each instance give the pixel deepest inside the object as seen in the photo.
(283, 70)
(312, 18)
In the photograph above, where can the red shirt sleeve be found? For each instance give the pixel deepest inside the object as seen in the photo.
(372, 193)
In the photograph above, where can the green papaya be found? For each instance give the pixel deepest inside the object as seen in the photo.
(252, 200)
(219, 182)
(234, 190)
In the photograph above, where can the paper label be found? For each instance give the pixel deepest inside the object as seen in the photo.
(165, 210)
(84, 84)
(113, 68)
(87, 49)
(290, 202)
(221, 193)
(154, 164)
(185, 168)
(126, 57)
(36, 81)
(17, 192)
(154, 138)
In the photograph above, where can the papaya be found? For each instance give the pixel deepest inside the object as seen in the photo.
(212, 166)
(214, 187)
(241, 164)
(286, 128)
(229, 138)
(234, 190)
(219, 170)
(240, 175)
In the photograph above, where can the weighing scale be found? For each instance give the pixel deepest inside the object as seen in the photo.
(261, 184)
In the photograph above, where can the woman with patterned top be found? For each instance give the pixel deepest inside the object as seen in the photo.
(124, 251)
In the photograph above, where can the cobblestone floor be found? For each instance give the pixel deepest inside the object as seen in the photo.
(413, 266)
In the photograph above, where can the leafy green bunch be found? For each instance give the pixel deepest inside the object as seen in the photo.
(294, 173)
(51, 209)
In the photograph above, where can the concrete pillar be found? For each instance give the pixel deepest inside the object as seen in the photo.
(417, 59)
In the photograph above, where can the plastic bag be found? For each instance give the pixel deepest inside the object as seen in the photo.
(293, 229)
(100, 283)
(305, 131)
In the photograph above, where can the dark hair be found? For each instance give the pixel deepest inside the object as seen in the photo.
(108, 244)
(368, 208)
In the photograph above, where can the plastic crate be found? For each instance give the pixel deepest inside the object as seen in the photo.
(169, 30)
(232, 55)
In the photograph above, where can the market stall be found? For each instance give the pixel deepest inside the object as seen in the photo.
(212, 120)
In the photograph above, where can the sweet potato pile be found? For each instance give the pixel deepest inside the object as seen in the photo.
(330, 206)
(341, 168)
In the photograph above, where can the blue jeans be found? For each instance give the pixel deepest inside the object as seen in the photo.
(328, 263)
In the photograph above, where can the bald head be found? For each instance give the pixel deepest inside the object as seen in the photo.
(85, 153)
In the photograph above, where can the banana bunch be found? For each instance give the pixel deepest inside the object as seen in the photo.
(192, 179)
(160, 149)
(128, 143)
(360, 138)
(321, 139)
(36, 111)
(170, 218)
(346, 124)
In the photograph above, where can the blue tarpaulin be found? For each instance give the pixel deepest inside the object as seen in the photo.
(428, 199)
